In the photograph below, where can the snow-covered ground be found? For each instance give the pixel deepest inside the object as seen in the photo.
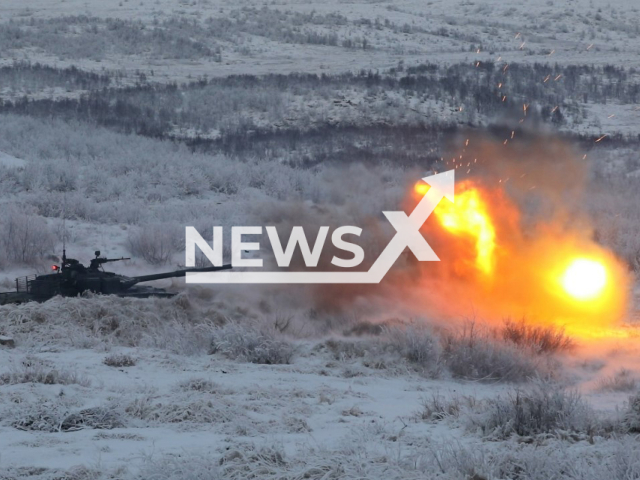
(185, 400)
(11, 161)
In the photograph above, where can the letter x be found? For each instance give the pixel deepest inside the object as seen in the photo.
(408, 231)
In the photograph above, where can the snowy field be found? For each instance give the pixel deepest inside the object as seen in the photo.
(152, 389)
(122, 121)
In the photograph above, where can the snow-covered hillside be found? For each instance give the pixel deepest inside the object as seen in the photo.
(575, 31)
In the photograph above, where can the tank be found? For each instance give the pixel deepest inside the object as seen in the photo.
(71, 279)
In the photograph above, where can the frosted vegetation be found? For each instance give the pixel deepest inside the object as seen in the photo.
(537, 427)
(153, 187)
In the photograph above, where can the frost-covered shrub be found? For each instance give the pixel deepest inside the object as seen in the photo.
(471, 352)
(419, 346)
(631, 417)
(60, 414)
(102, 418)
(200, 385)
(189, 408)
(43, 416)
(538, 339)
(167, 324)
(119, 360)
(251, 344)
(349, 349)
(611, 459)
(356, 458)
(622, 381)
(543, 408)
(474, 354)
(156, 243)
(33, 370)
(24, 236)
(370, 352)
(438, 407)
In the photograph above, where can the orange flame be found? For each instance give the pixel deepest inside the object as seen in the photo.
(468, 216)
(552, 276)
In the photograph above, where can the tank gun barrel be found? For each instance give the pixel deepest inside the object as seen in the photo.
(178, 273)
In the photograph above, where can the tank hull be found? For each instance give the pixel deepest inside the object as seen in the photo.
(8, 298)
(16, 298)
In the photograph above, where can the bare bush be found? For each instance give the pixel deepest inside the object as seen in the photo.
(542, 409)
(612, 459)
(539, 339)
(417, 345)
(631, 417)
(119, 360)
(343, 350)
(371, 353)
(469, 353)
(24, 237)
(364, 328)
(57, 415)
(438, 407)
(451, 460)
(156, 242)
(101, 418)
(42, 416)
(200, 385)
(167, 324)
(474, 354)
(251, 344)
(621, 381)
(33, 370)
(198, 410)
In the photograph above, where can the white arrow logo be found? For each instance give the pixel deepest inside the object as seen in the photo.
(407, 235)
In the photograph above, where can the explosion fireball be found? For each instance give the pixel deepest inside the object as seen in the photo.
(548, 269)
(584, 279)
(469, 216)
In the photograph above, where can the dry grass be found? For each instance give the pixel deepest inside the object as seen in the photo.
(622, 381)
(57, 415)
(544, 408)
(34, 370)
(200, 385)
(419, 346)
(631, 416)
(119, 360)
(251, 344)
(472, 353)
(540, 339)
(437, 407)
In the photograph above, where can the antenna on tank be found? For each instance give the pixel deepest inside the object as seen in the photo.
(64, 229)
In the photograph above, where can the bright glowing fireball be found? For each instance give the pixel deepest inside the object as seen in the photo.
(554, 276)
(469, 216)
(584, 279)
